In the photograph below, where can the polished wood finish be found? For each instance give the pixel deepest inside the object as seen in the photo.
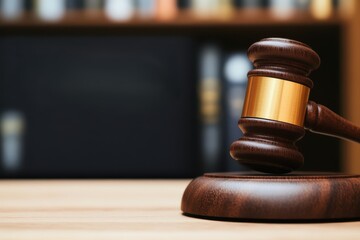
(262, 197)
(265, 145)
(268, 146)
(283, 58)
(320, 119)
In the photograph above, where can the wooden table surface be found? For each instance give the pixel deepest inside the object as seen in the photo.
(130, 209)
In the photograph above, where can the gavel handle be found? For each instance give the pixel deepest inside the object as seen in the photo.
(320, 119)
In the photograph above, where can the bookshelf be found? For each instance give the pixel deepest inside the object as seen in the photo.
(243, 22)
(255, 17)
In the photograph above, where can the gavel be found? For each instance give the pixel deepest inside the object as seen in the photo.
(277, 110)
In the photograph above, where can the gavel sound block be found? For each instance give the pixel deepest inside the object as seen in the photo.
(276, 114)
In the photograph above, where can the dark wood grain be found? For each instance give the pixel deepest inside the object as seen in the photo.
(298, 196)
(268, 146)
(320, 119)
(283, 58)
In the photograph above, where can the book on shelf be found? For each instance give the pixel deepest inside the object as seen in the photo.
(222, 88)
(124, 10)
(119, 10)
(146, 8)
(321, 9)
(204, 8)
(12, 9)
(50, 10)
(282, 8)
(235, 68)
(93, 4)
(250, 4)
(209, 87)
(75, 4)
(93, 7)
(28, 5)
(12, 125)
(166, 9)
(303, 5)
(183, 4)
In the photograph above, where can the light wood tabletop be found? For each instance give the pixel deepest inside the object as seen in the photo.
(130, 209)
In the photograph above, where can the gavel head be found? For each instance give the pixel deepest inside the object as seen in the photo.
(274, 109)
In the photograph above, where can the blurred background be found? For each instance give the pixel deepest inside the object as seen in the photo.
(154, 88)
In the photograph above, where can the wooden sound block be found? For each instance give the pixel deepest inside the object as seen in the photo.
(298, 196)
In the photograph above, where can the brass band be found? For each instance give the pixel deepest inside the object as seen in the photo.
(276, 99)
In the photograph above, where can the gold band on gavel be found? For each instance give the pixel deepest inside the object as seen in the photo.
(276, 99)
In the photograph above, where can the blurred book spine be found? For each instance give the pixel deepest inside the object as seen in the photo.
(12, 9)
(50, 10)
(321, 9)
(210, 107)
(225, 8)
(29, 5)
(166, 9)
(12, 131)
(92, 8)
(236, 66)
(120, 10)
(146, 8)
(74, 4)
(302, 5)
(282, 8)
(183, 4)
(250, 4)
(93, 4)
(204, 8)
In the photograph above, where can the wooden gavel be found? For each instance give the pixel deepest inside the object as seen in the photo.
(276, 109)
